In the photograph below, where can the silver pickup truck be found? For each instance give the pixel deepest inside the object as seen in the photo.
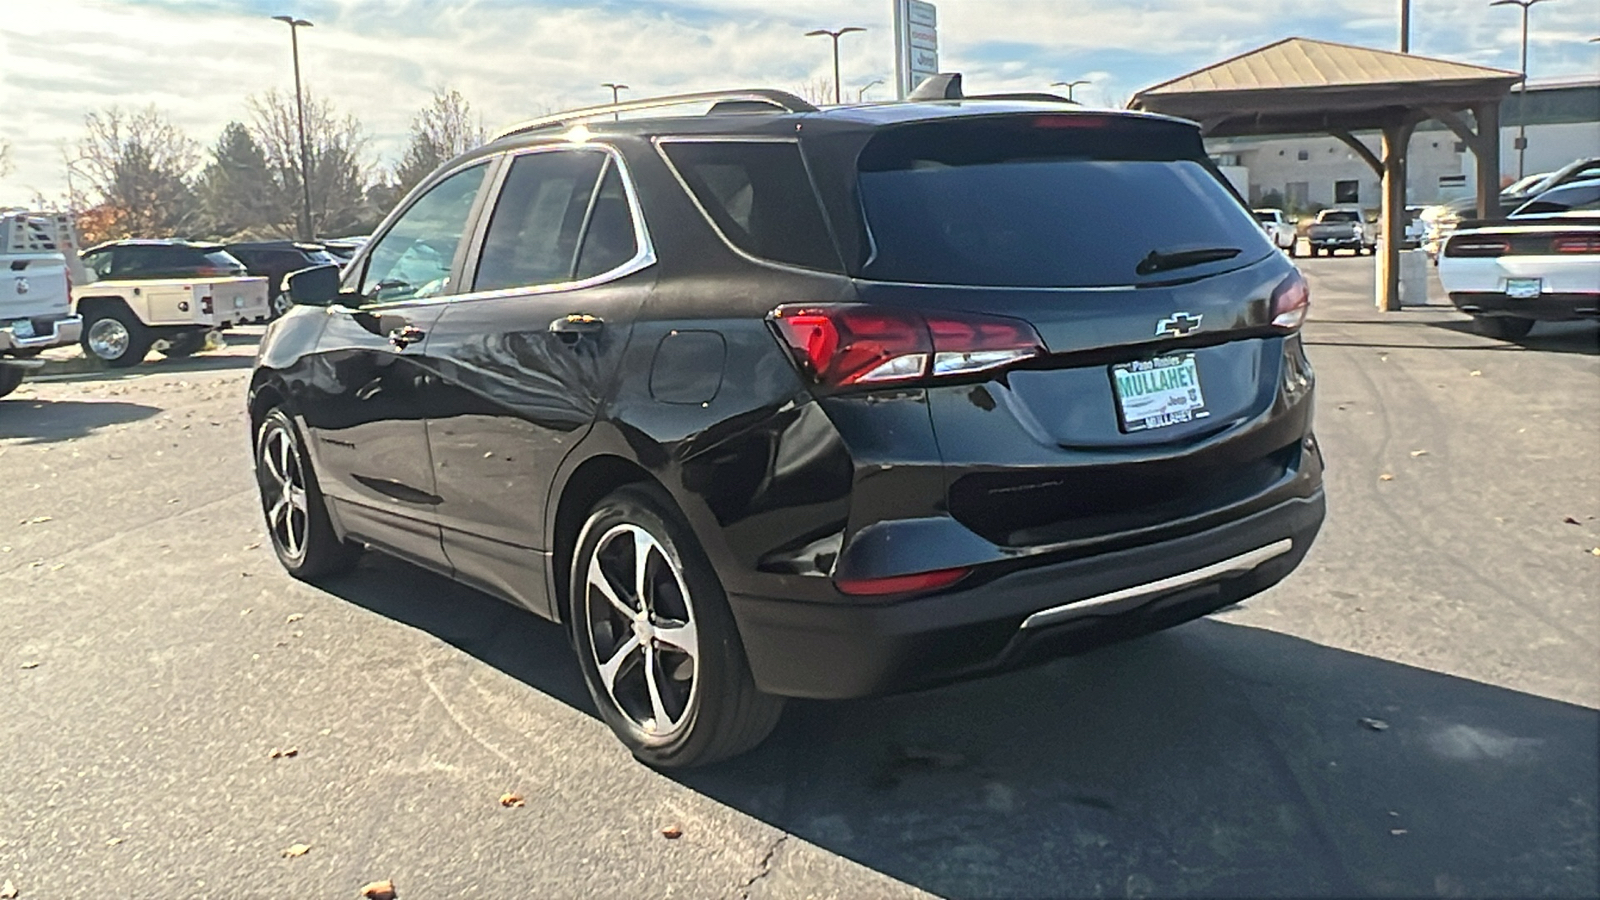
(35, 295)
(1341, 229)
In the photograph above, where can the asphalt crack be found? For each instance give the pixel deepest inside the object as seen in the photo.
(764, 867)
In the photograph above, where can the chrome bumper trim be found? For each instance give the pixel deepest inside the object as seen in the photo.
(1241, 563)
(63, 331)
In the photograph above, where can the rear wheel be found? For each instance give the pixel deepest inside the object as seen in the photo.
(296, 512)
(115, 337)
(1506, 328)
(10, 377)
(655, 639)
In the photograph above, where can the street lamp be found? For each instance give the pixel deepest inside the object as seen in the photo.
(300, 110)
(615, 88)
(835, 35)
(1069, 85)
(861, 92)
(1522, 94)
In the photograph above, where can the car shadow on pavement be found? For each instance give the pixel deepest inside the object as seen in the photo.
(35, 421)
(1213, 759)
(1549, 337)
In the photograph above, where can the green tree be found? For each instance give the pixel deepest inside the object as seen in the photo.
(140, 165)
(237, 191)
(440, 131)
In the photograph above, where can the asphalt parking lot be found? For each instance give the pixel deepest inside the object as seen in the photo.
(1411, 713)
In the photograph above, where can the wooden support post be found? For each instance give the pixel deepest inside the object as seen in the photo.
(1487, 152)
(1396, 137)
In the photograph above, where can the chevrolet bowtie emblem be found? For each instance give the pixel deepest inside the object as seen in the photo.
(1179, 324)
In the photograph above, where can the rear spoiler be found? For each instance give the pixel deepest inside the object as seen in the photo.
(1588, 220)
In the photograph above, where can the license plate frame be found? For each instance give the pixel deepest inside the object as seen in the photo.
(1157, 393)
(1524, 288)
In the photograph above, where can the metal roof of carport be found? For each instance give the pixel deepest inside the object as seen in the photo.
(1304, 86)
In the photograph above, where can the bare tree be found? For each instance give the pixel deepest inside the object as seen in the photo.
(817, 91)
(139, 164)
(440, 131)
(340, 167)
(5, 158)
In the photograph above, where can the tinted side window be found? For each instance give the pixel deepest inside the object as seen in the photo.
(100, 263)
(538, 219)
(609, 239)
(413, 259)
(1562, 199)
(760, 197)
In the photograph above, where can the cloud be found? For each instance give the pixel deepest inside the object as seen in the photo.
(197, 60)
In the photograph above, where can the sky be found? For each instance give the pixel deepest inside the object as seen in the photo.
(198, 60)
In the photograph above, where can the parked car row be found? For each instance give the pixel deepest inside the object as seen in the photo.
(1443, 219)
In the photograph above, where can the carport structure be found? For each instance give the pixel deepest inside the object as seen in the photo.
(1304, 86)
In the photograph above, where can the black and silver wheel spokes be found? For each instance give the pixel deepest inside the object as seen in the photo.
(642, 626)
(283, 491)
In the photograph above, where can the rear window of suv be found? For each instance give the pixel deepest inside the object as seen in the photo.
(1045, 201)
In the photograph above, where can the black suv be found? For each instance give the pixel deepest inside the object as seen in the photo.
(275, 259)
(141, 260)
(784, 402)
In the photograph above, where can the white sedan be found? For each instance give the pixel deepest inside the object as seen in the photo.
(1542, 263)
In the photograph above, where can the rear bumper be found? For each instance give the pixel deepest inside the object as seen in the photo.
(1545, 307)
(47, 333)
(1025, 615)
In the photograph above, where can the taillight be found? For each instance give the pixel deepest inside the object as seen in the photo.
(1580, 244)
(849, 344)
(901, 584)
(1291, 300)
(1475, 245)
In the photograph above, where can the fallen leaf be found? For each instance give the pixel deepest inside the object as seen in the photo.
(1375, 724)
(295, 850)
(113, 842)
(295, 617)
(1595, 551)
(1571, 521)
(1475, 373)
(30, 665)
(290, 753)
(36, 520)
(1386, 477)
(1417, 453)
(379, 890)
(254, 546)
(510, 800)
(1397, 831)
(8, 891)
(672, 832)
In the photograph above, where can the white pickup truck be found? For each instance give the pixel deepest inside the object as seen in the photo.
(35, 294)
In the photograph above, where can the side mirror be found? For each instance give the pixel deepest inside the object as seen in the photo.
(315, 286)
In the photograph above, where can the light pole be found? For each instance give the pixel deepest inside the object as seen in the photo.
(300, 111)
(615, 89)
(835, 35)
(1069, 85)
(861, 92)
(1522, 92)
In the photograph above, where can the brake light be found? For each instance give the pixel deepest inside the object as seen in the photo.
(840, 345)
(1579, 244)
(1477, 246)
(1291, 300)
(901, 584)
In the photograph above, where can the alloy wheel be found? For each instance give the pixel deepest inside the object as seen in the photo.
(109, 338)
(642, 630)
(283, 490)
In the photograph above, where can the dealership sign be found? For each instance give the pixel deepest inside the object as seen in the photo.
(916, 56)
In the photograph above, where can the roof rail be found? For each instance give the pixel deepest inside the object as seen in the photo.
(780, 101)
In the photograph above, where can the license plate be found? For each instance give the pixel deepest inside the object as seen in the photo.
(1523, 288)
(1155, 393)
(22, 328)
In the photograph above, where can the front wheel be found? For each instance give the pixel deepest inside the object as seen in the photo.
(296, 512)
(655, 639)
(116, 337)
(1506, 328)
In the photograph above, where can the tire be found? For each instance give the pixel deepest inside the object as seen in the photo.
(677, 655)
(185, 343)
(115, 337)
(1294, 248)
(10, 378)
(1506, 328)
(295, 510)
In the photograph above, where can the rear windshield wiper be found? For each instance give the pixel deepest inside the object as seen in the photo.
(1178, 259)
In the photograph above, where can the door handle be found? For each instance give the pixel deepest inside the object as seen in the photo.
(404, 337)
(572, 328)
